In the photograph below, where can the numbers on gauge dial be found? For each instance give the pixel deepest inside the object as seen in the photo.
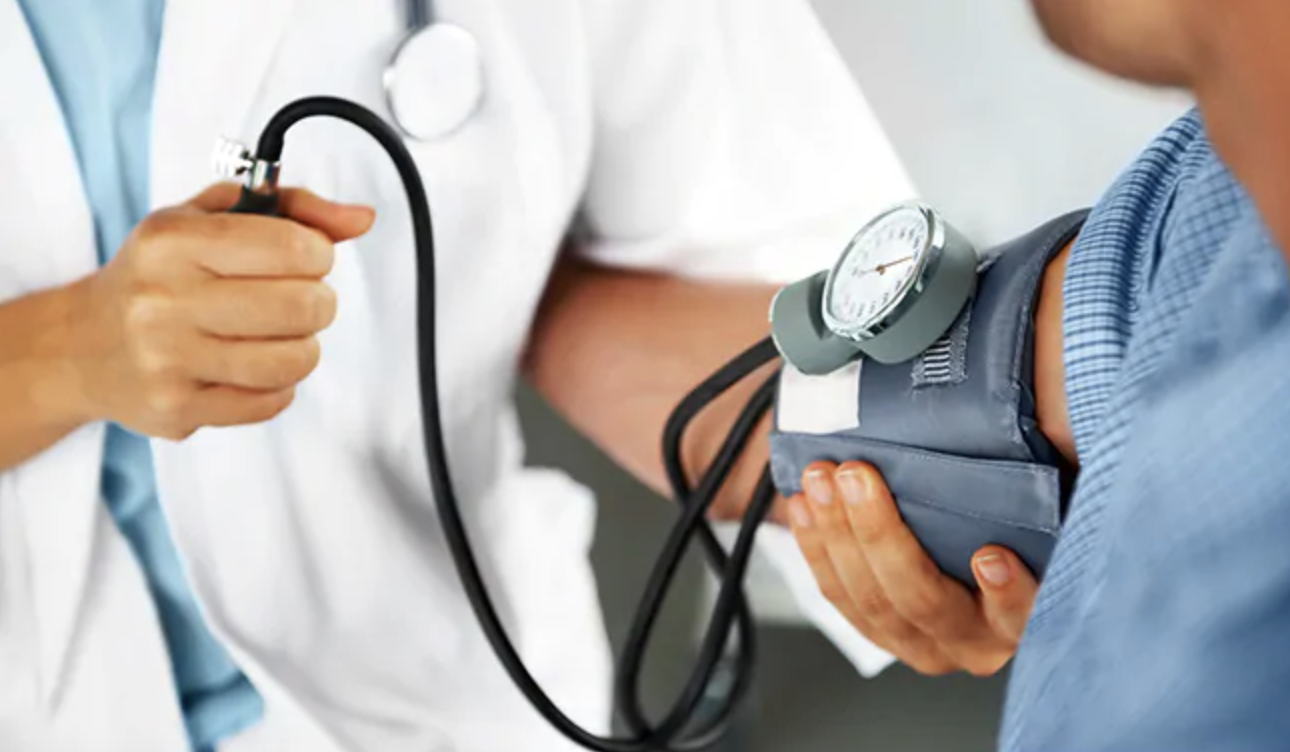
(876, 269)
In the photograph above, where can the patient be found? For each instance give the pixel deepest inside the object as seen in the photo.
(1164, 370)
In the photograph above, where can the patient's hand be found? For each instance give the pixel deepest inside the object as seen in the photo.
(873, 569)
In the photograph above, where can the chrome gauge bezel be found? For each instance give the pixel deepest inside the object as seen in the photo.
(907, 294)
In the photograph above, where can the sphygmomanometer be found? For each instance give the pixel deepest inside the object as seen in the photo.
(914, 353)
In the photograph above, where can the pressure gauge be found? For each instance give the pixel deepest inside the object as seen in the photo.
(900, 283)
(877, 270)
(896, 289)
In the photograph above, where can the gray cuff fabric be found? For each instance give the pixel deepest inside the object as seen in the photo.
(953, 431)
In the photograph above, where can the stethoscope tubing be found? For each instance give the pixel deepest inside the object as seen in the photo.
(418, 14)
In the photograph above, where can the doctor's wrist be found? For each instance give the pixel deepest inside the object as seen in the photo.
(703, 443)
(70, 371)
(40, 398)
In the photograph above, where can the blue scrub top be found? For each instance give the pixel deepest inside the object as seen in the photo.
(101, 56)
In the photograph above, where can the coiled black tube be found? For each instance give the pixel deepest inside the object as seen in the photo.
(673, 733)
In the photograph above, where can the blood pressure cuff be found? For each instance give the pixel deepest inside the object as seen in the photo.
(953, 431)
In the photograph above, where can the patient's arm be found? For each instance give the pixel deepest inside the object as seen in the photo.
(1050, 371)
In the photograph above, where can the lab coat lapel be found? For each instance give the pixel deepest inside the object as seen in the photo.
(35, 138)
(49, 239)
(214, 54)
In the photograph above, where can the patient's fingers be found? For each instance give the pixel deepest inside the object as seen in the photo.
(851, 586)
(872, 567)
(929, 599)
(920, 591)
(1008, 591)
(811, 542)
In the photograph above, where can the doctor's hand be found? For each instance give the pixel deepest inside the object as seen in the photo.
(868, 563)
(209, 319)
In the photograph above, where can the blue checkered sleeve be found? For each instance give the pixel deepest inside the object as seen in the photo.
(1162, 623)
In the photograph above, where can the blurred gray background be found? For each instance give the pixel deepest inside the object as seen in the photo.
(1000, 133)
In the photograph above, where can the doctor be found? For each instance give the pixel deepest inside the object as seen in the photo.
(215, 524)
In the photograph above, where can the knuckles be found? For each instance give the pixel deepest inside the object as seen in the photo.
(152, 313)
(925, 600)
(147, 313)
(927, 607)
(158, 227)
(168, 406)
(287, 365)
(835, 593)
(875, 605)
(873, 535)
(300, 250)
(293, 363)
(147, 321)
(167, 402)
(153, 241)
(272, 408)
(311, 308)
(158, 367)
(305, 248)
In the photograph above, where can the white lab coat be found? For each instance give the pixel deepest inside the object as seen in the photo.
(711, 138)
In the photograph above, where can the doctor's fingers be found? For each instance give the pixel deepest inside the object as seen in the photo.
(226, 406)
(845, 579)
(339, 222)
(937, 605)
(174, 242)
(261, 365)
(246, 308)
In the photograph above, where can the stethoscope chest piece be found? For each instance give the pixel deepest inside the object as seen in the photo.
(435, 81)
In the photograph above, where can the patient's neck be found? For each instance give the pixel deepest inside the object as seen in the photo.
(1243, 85)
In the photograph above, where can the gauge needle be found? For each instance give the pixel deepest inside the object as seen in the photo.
(882, 268)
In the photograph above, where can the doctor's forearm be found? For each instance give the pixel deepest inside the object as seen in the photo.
(614, 352)
(38, 402)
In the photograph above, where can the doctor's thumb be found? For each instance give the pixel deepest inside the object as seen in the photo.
(1008, 591)
(340, 222)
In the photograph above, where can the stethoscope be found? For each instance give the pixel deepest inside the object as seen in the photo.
(434, 82)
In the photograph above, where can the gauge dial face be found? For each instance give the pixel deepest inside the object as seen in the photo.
(877, 270)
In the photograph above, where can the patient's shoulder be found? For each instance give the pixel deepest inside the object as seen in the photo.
(1136, 204)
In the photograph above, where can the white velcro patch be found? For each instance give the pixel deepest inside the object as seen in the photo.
(819, 405)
